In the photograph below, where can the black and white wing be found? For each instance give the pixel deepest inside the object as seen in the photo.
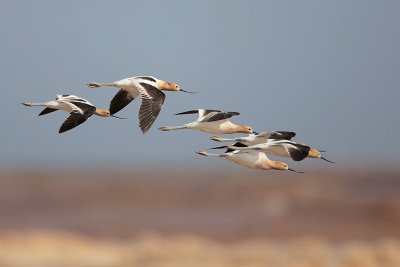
(152, 101)
(201, 112)
(217, 116)
(237, 144)
(121, 100)
(296, 151)
(72, 98)
(282, 135)
(277, 135)
(72, 121)
(76, 118)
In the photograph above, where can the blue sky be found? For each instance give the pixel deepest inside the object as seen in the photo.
(328, 70)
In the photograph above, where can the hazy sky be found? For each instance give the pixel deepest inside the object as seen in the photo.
(328, 70)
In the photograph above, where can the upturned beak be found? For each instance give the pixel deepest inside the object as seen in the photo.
(189, 92)
(327, 160)
(118, 117)
(294, 170)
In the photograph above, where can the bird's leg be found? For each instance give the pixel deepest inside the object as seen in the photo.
(220, 139)
(170, 128)
(96, 84)
(204, 153)
(30, 104)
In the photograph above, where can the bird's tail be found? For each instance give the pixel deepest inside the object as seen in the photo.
(170, 128)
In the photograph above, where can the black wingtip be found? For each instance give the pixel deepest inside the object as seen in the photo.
(194, 111)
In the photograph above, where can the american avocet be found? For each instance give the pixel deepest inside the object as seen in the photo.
(79, 108)
(250, 159)
(257, 138)
(149, 88)
(281, 148)
(211, 121)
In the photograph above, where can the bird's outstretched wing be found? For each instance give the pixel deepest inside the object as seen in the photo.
(72, 121)
(282, 135)
(201, 112)
(217, 116)
(296, 151)
(121, 100)
(87, 109)
(152, 101)
(76, 118)
(47, 111)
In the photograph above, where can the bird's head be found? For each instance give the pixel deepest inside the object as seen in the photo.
(314, 153)
(245, 129)
(105, 113)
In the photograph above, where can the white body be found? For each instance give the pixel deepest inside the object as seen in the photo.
(132, 84)
(250, 159)
(215, 127)
(211, 121)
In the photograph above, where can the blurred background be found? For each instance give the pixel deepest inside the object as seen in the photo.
(104, 194)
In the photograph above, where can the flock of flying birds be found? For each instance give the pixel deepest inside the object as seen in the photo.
(248, 151)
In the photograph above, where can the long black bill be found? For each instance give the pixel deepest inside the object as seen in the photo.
(327, 160)
(256, 133)
(294, 170)
(188, 91)
(118, 117)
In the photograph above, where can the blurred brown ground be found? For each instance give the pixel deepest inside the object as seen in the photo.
(197, 218)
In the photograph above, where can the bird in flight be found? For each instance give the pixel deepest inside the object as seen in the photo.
(211, 121)
(150, 89)
(79, 110)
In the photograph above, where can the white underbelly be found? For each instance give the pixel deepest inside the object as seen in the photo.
(278, 151)
(59, 105)
(245, 160)
(211, 127)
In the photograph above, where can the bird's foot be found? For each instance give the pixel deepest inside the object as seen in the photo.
(201, 152)
(216, 138)
(163, 128)
(93, 85)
